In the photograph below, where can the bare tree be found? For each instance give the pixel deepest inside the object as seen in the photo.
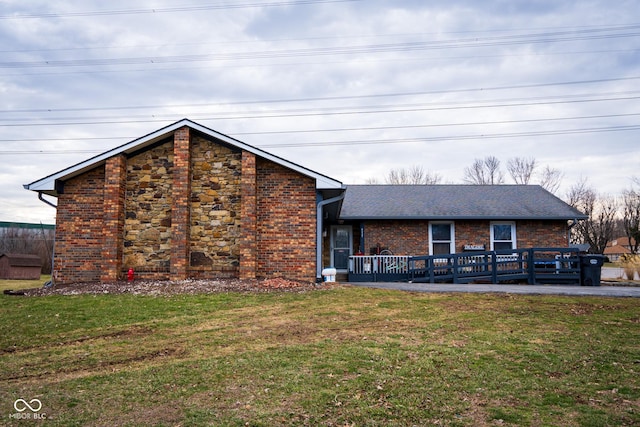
(484, 172)
(550, 179)
(598, 229)
(413, 175)
(38, 241)
(631, 216)
(521, 169)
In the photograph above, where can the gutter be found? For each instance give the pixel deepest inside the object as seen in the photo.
(322, 204)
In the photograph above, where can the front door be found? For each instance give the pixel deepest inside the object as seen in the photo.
(341, 237)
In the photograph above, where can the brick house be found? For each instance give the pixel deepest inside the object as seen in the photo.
(188, 202)
(448, 219)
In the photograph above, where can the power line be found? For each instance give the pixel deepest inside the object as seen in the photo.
(386, 141)
(271, 115)
(171, 9)
(432, 125)
(327, 98)
(313, 52)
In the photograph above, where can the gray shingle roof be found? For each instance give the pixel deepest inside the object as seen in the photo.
(497, 202)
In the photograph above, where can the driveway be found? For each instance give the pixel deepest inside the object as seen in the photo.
(603, 291)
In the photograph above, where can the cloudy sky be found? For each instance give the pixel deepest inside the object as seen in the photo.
(348, 88)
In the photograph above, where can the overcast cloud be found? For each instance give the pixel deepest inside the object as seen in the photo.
(350, 89)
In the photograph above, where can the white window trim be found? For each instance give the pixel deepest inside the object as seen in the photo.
(452, 247)
(514, 238)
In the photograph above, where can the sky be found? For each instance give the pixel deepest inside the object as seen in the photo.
(348, 88)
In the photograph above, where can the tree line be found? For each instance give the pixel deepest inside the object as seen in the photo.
(32, 241)
(609, 217)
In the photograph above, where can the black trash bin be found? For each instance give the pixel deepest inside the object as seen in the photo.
(591, 269)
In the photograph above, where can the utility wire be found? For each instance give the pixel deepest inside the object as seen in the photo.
(171, 9)
(281, 132)
(307, 52)
(327, 98)
(271, 115)
(386, 141)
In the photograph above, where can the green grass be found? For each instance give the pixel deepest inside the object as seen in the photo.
(23, 284)
(347, 356)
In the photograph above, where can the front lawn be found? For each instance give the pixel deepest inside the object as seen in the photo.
(345, 356)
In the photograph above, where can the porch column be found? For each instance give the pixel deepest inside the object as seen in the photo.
(180, 206)
(113, 218)
(249, 218)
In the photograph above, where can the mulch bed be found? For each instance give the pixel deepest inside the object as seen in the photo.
(190, 286)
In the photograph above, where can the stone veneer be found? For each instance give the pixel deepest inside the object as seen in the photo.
(148, 204)
(215, 206)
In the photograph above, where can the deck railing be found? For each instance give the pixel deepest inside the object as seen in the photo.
(550, 265)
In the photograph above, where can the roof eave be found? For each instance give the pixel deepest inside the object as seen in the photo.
(47, 185)
(461, 218)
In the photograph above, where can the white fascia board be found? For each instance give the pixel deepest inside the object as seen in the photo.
(322, 181)
(47, 184)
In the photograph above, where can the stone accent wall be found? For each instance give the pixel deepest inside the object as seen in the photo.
(286, 222)
(79, 229)
(215, 208)
(148, 207)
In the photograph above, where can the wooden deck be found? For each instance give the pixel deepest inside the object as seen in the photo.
(533, 266)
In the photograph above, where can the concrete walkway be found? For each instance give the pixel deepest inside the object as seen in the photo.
(604, 291)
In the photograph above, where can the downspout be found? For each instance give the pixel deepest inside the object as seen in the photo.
(46, 201)
(52, 281)
(322, 204)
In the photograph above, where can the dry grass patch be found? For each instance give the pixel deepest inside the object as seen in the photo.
(346, 356)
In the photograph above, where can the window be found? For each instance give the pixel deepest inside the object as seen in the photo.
(503, 236)
(441, 238)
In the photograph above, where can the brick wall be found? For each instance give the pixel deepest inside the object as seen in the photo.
(286, 222)
(114, 201)
(412, 237)
(79, 229)
(538, 234)
(181, 188)
(248, 217)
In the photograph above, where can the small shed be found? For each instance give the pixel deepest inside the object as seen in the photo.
(20, 266)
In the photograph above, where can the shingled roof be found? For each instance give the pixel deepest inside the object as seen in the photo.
(454, 202)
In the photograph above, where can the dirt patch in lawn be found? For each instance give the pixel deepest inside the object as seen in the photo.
(165, 287)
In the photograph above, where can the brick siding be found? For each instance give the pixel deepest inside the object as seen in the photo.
(412, 237)
(286, 222)
(79, 229)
